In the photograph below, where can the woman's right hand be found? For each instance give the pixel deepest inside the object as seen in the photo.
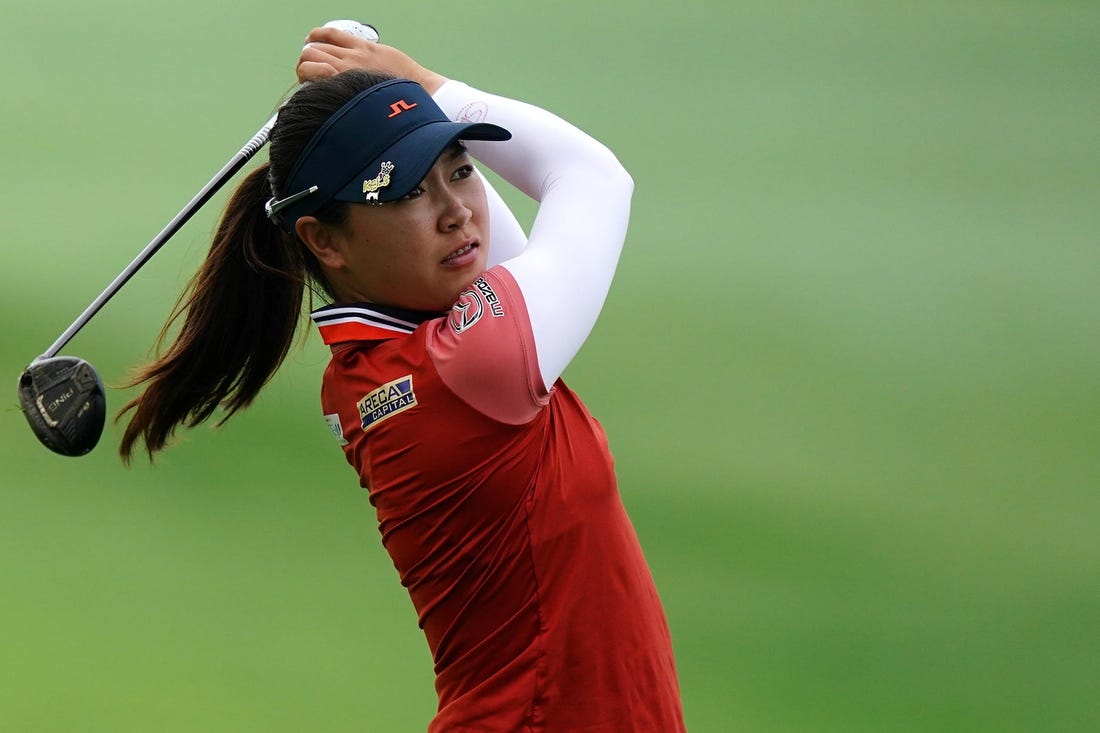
(329, 51)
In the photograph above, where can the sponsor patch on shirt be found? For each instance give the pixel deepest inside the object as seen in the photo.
(472, 303)
(386, 401)
(337, 429)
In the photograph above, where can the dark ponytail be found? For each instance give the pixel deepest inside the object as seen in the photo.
(240, 312)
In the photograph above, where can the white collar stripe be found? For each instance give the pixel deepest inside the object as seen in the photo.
(325, 316)
(368, 322)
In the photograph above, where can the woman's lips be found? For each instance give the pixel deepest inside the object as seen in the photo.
(462, 256)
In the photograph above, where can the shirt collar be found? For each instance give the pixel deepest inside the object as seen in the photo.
(344, 322)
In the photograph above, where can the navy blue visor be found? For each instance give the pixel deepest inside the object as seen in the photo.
(376, 148)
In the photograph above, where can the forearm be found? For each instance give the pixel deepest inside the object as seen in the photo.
(544, 148)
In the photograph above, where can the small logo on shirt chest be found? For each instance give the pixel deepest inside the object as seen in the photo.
(386, 401)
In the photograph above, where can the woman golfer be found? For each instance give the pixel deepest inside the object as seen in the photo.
(494, 487)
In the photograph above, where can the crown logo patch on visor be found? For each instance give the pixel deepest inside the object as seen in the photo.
(372, 186)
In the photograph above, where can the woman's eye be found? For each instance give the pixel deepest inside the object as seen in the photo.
(412, 194)
(464, 172)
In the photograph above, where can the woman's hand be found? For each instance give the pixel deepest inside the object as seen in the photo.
(330, 51)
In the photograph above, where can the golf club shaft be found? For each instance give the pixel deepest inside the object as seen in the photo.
(228, 171)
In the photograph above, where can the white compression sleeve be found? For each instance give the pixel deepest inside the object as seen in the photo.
(584, 206)
(506, 236)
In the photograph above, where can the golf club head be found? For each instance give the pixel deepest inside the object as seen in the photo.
(64, 402)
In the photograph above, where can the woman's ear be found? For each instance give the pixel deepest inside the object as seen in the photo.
(322, 241)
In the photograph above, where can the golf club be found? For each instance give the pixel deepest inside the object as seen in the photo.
(62, 396)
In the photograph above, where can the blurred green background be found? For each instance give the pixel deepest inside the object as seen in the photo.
(850, 368)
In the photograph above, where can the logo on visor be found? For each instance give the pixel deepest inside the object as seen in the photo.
(399, 107)
(374, 185)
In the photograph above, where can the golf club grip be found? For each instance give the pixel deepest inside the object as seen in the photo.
(228, 171)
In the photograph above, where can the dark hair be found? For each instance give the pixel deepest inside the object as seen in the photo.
(241, 310)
